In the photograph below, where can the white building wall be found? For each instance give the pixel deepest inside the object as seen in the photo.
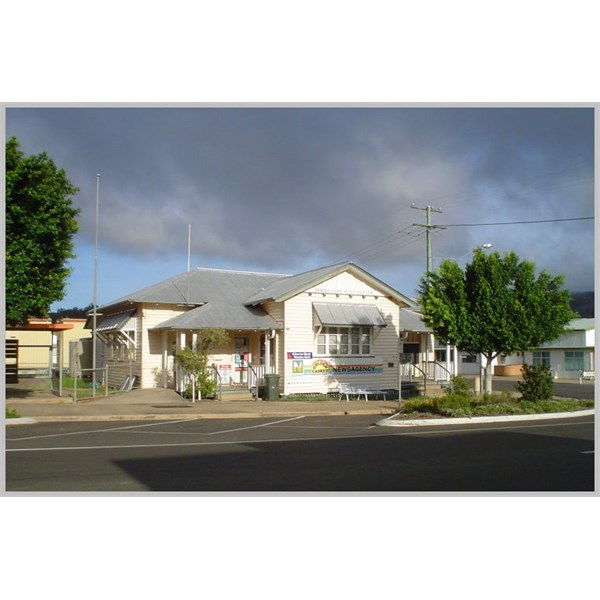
(277, 311)
(150, 346)
(299, 352)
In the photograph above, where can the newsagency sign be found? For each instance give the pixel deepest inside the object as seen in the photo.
(335, 367)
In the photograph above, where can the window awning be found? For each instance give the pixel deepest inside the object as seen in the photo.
(330, 314)
(114, 322)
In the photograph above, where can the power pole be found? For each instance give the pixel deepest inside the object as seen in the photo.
(428, 227)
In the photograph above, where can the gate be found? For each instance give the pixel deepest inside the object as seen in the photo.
(12, 361)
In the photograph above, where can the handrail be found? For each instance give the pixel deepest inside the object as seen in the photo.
(219, 380)
(414, 366)
(438, 364)
(255, 379)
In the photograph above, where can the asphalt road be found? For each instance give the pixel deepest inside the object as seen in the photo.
(322, 454)
(582, 391)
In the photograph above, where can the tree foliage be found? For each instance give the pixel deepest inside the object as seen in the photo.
(497, 305)
(40, 224)
(195, 361)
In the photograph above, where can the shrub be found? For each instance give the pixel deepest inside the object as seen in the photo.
(452, 405)
(459, 386)
(418, 405)
(537, 383)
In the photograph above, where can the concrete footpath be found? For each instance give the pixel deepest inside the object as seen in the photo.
(166, 404)
(41, 406)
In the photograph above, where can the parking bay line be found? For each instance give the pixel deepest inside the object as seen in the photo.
(233, 442)
(256, 426)
(49, 435)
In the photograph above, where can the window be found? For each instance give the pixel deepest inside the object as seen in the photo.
(541, 358)
(468, 358)
(574, 361)
(344, 341)
(440, 355)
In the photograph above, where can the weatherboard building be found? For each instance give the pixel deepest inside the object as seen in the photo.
(316, 330)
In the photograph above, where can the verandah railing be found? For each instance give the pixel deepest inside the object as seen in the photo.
(432, 371)
(256, 375)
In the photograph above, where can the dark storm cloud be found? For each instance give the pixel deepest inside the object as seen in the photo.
(290, 188)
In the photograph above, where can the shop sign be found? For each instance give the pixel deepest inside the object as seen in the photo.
(336, 367)
(299, 355)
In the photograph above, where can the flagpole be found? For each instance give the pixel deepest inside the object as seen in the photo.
(95, 289)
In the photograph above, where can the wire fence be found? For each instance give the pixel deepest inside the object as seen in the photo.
(81, 384)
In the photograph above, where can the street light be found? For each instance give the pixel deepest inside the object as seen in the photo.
(485, 246)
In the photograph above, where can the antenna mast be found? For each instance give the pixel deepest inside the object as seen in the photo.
(189, 246)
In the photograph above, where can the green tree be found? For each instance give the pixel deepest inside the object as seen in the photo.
(40, 224)
(195, 362)
(497, 305)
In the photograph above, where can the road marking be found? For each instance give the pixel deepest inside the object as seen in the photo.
(587, 452)
(234, 442)
(49, 435)
(263, 441)
(256, 426)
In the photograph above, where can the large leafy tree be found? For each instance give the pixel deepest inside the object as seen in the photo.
(40, 224)
(497, 305)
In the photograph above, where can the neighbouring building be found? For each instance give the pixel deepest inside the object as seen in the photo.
(42, 345)
(569, 356)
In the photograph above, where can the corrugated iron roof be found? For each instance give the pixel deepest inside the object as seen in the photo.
(114, 322)
(201, 286)
(412, 321)
(225, 316)
(287, 287)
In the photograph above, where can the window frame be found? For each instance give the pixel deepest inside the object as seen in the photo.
(355, 340)
(580, 358)
(541, 357)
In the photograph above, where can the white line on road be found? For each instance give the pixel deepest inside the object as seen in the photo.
(277, 440)
(49, 435)
(418, 432)
(256, 426)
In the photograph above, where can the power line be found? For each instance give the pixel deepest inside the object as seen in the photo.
(518, 222)
(375, 247)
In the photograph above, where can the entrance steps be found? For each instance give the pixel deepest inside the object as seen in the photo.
(233, 394)
(432, 389)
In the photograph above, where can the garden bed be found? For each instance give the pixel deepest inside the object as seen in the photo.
(453, 405)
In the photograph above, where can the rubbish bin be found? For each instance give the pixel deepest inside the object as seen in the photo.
(271, 386)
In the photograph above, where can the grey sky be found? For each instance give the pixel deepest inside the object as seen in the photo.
(288, 189)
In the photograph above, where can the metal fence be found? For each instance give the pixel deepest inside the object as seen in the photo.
(81, 384)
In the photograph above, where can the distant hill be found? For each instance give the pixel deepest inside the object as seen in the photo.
(583, 303)
(73, 313)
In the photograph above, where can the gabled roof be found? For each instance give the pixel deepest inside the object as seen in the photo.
(288, 287)
(230, 299)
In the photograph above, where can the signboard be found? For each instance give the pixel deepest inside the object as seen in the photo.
(299, 355)
(225, 373)
(334, 367)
